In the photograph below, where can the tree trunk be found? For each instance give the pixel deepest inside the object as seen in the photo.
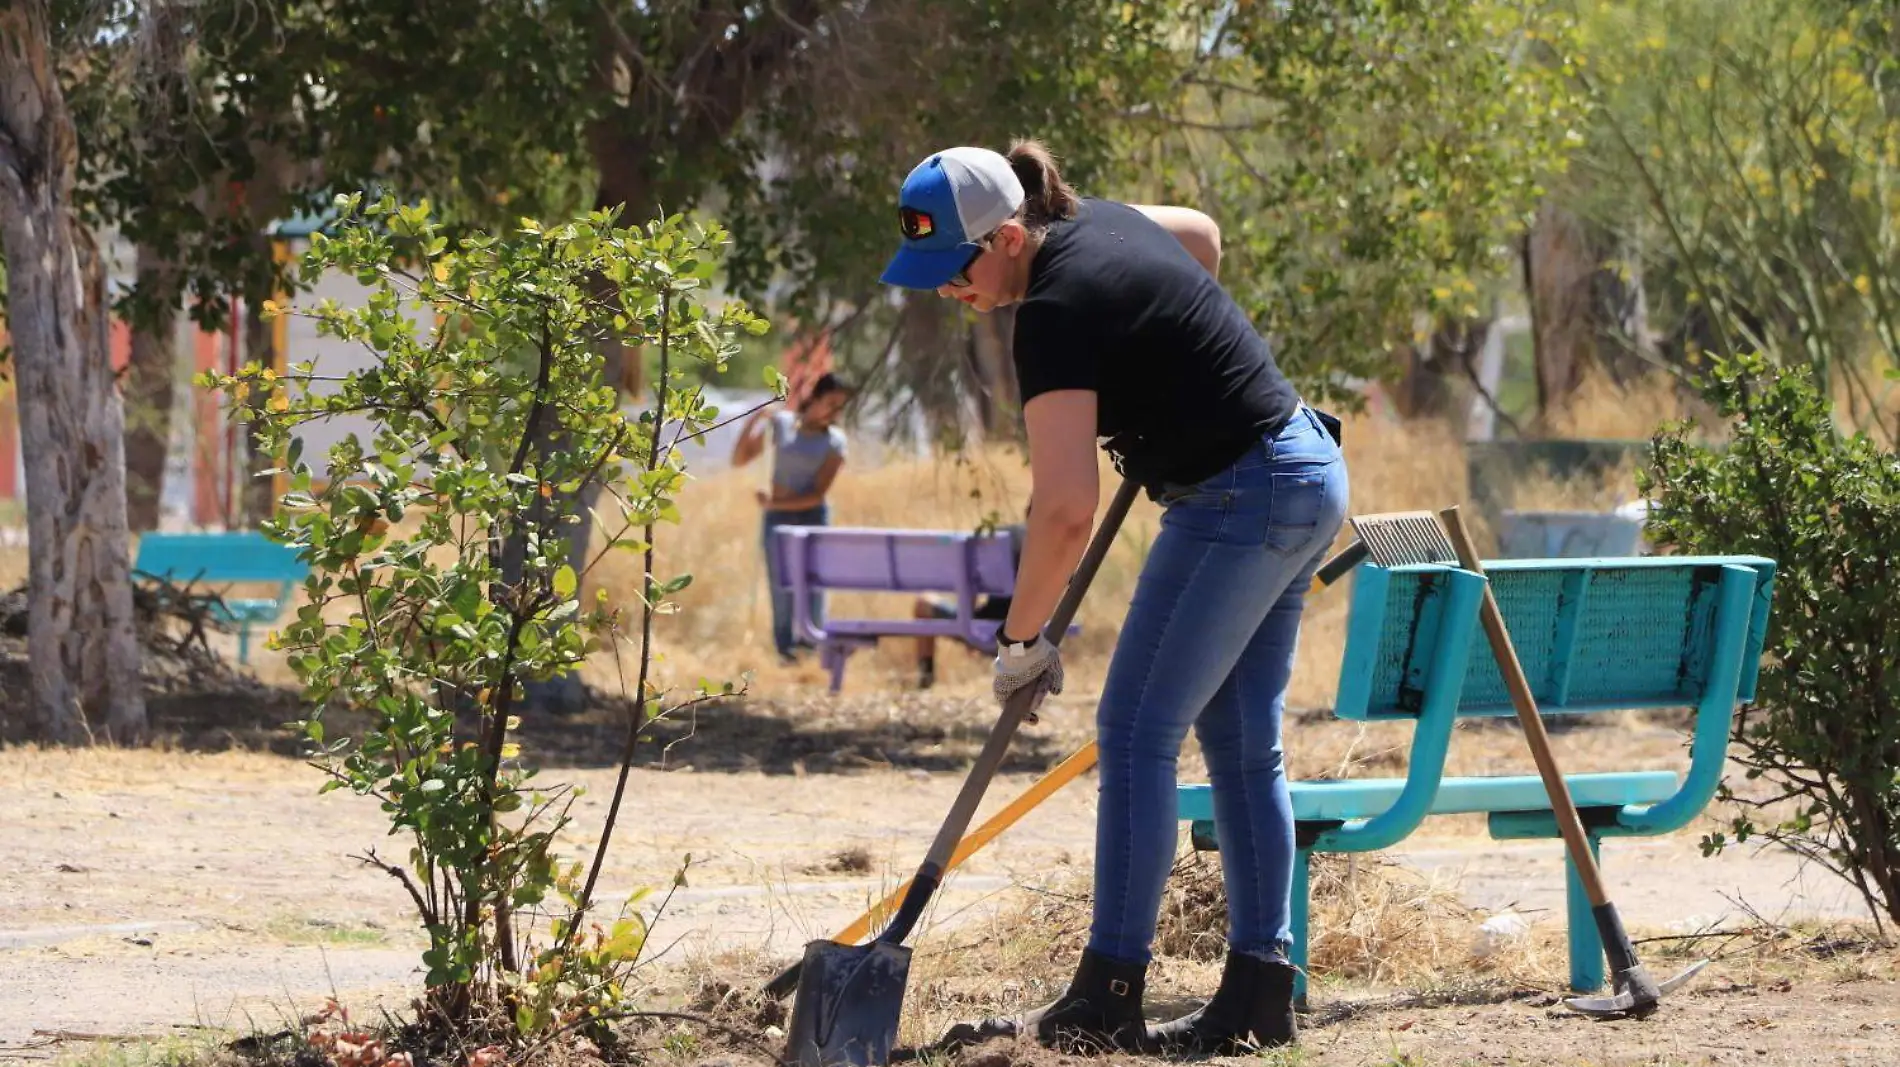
(1001, 409)
(82, 646)
(1424, 387)
(161, 87)
(929, 338)
(150, 387)
(1559, 268)
(1439, 378)
(1586, 315)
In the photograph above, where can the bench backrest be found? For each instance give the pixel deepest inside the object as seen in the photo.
(1592, 635)
(234, 556)
(846, 557)
(1409, 641)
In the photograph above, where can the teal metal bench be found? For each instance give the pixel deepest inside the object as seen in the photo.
(1593, 635)
(225, 560)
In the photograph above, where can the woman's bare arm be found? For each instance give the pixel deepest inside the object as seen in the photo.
(1196, 232)
(1062, 466)
(751, 439)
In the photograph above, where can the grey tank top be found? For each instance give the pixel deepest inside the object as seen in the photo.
(797, 455)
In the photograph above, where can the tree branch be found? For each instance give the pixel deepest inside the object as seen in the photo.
(400, 875)
(637, 718)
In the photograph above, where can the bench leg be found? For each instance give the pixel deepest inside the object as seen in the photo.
(1302, 885)
(833, 656)
(244, 645)
(1586, 945)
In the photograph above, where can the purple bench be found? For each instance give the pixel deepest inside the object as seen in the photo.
(965, 565)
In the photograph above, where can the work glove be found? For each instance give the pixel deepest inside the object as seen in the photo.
(1036, 665)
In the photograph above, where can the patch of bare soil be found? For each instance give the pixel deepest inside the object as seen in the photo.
(198, 701)
(1730, 1017)
(193, 697)
(805, 732)
(149, 889)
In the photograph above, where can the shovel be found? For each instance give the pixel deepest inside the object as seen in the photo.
(851, 996)
(1417, 537)
(1077, 764)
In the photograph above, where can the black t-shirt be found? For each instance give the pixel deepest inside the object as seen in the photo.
(1117, 306)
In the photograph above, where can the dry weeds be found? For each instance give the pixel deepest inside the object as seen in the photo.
(724, 627)
(1392, 951)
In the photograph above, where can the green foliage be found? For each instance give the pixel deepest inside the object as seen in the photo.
(864, 104)
(1825, 727)
(203, 123)
(1751, 151)
(1369, 162)
(441, 579)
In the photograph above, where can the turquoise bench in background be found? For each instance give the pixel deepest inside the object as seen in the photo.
(1593, 635)
(224, 560)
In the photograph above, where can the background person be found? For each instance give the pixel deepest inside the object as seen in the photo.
(808, 450)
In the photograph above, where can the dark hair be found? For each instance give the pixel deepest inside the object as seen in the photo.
(826, 384)
(1046, 197)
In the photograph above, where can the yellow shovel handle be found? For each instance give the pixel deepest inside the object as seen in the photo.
(1060, 775)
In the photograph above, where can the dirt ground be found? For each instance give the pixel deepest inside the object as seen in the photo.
(158, 892)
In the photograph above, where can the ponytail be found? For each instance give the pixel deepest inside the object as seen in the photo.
(1046, 197)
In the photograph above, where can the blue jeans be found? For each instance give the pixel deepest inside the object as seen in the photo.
(1208, 643)
(784, 635)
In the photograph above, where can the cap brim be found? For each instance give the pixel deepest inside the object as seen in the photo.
(920, 268)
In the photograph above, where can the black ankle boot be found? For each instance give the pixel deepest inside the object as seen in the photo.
(1253, 1008)
(1099, 1012)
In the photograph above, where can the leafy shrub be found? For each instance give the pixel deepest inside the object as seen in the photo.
(1825, 727)
(441, 578)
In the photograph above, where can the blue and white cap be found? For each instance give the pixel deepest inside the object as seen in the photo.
(950, 202)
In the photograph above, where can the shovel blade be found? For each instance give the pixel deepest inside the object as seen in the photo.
(850, 998)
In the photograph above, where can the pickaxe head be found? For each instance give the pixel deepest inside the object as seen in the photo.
(1636, 993)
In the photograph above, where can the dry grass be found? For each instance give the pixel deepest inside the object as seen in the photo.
(1390, 947)
(724, 628)
(1376, 926)
(1583, 492)
(1604, 410)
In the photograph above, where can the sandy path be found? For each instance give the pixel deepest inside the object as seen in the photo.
(147, 890)
(143, 891)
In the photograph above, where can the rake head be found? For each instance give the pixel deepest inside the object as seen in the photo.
(1401, 537)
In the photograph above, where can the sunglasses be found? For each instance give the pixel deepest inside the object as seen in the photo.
(961, 279)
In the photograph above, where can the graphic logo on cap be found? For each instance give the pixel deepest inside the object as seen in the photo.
(916, 224)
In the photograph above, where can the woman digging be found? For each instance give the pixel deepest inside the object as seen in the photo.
(1123, 336)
